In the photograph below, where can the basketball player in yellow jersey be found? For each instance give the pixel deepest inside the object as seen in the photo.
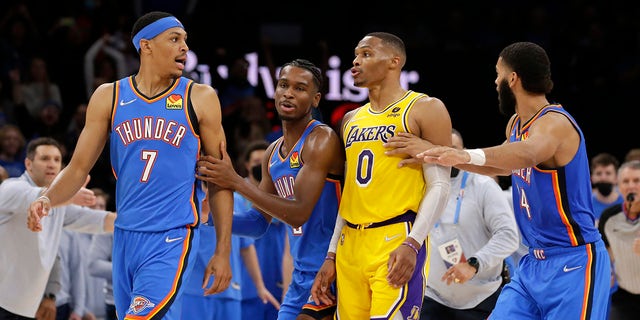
(376, 253)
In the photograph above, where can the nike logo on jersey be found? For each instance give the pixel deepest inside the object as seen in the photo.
(169, 240)
(123, 103)
(235, 286)
(387, 238)
(565, 269)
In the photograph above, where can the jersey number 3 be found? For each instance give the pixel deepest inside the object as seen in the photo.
(149, 156)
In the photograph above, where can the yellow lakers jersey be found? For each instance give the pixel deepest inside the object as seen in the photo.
(375, 189)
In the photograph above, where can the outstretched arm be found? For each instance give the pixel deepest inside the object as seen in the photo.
(404, 143)
(552, 140)
(322, 153)
(88, 149)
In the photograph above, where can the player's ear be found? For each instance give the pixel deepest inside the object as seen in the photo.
(513, 76)
(316, 100)
(144, 45)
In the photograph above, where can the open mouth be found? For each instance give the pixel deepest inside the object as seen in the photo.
(181, 62)
(286, 106)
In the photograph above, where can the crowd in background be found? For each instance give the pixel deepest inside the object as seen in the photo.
(53, 55)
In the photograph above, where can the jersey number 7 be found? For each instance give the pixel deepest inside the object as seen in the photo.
(149, 156)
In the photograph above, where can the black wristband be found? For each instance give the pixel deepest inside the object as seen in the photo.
(473, 261)
(49, 296)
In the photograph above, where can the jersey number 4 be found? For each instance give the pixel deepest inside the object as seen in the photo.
(524, 203)
(149, 156)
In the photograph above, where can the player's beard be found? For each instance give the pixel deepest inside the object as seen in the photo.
(506, 99)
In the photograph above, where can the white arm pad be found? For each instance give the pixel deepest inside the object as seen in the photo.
(438, 179)
(337, 231)
(476, 157)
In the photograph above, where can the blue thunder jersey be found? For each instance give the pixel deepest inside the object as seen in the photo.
(154, 149)
(553, 205)
(309, 242)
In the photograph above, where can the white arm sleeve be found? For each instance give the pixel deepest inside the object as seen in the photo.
(435, 199)
(337, 231)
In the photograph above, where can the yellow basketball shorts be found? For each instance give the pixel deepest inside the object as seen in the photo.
(361, 265)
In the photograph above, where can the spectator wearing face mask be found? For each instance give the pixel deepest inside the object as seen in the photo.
(604, 194)
(604, 178)
(270, 248)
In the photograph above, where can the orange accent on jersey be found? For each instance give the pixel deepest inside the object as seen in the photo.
(116, 96)
(317, 308)
(279, 144)
(587, 282)
(563, 216)
(528, 124)
(338, 188)
(174, 286)
(137, 93)
(186, 110)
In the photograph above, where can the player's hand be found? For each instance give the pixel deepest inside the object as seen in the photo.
(217, 171)
(84, 196)
(37, 210)
(266, 297)
(46, 310)
(402, 262)
(636, 245)
(445, 156)
(220, 268)
(459, 273)
(321, 288)
(404, 143)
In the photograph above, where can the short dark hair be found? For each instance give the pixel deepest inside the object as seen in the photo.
(146, 20)
(391, 40)
(531, 63)
(604, 159)
(42, 141)
(253, 146)
(309, 66)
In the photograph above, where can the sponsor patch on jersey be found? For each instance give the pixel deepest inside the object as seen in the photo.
(294, 161)
(174, 102)
(394, 112)
(139, 304)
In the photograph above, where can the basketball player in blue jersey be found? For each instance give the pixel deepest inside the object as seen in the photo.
(157, 123)
(301, 185)
(566, 273)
